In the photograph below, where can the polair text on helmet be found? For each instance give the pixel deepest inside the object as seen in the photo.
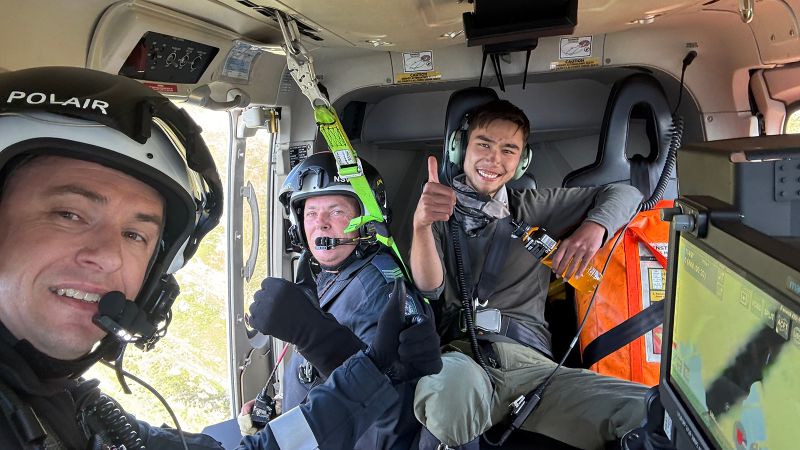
(38, 98)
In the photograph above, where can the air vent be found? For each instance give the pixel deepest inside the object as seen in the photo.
(304, 29)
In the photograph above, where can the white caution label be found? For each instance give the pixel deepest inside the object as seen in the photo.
(575, 47)
(239, 62)
(421, 61)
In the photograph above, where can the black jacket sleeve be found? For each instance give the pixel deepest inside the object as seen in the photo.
(336, 413)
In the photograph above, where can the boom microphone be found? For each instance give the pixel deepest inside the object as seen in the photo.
(328, 243)
(122, 318)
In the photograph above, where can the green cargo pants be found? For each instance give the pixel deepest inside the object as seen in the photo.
(579, 407)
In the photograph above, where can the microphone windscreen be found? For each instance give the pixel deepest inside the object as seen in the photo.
(112, 304)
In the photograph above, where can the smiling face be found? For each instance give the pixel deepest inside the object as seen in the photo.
(493, 154)
(328, 216)
(70, 232)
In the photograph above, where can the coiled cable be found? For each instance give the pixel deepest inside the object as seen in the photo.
(466, 301)
(675, 138)
(117, 427)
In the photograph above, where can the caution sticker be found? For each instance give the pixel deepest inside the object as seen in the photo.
(161, 87)
(414, 62)
(579, 63)
(575, 47)
(419, 77)
(239, 62)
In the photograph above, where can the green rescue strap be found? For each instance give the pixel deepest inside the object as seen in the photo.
(301, 66)
(349, 167)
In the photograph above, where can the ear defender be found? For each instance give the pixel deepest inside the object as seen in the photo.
(458, 144)
(524, 162)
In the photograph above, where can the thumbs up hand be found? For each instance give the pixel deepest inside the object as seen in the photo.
(437, 200)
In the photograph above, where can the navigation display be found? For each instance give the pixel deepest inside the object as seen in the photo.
(735, 354)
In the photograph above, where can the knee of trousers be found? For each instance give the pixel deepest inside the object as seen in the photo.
(455, 404)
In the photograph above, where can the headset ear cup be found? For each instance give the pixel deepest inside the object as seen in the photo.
(455, 149)
(524, 162)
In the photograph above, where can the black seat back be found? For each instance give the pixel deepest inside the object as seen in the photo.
(638, 96)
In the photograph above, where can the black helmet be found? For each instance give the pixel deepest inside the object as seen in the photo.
(117, 122)
(318, 175)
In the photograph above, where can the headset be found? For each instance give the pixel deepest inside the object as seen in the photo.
(457, 149)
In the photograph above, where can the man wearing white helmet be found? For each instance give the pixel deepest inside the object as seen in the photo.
(106, 189)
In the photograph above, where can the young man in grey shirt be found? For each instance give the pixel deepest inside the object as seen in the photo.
(580, 407)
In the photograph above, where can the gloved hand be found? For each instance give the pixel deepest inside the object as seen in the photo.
(283, 310)
(406, 344)
(246, 427)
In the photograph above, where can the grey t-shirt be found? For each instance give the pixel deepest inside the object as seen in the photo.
(522, 289)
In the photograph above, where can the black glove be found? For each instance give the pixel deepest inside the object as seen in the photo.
(406, 345)
(283, 310)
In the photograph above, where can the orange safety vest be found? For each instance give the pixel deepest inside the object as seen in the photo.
(636, 276)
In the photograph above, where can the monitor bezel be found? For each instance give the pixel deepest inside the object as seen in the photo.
(739, 241)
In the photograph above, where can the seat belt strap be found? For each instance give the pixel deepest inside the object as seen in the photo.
(495, 261)
(623, 334)
(631, 328)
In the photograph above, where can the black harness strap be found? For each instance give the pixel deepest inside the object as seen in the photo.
(464, 281)
(518, 332)
(492, 265)
(490, 275)
(30, 431)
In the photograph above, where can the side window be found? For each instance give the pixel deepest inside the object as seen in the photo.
(793, 120)
(189, 366)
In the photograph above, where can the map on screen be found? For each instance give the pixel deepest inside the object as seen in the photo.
(735, 354)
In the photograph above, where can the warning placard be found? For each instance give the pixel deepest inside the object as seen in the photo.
(579, 63)
(414, 62)
(418, 77)
(575, 47)
(161, 87)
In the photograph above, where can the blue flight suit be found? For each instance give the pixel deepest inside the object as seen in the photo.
(356, 296)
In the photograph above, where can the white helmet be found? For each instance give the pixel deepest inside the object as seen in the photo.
(119, 123)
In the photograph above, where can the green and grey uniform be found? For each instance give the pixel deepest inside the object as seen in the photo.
(579, 407)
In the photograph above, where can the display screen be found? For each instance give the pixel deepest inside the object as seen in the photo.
(735, 353)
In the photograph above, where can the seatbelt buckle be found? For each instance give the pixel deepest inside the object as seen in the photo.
(516, 406)
(305, 373)
(489, 320)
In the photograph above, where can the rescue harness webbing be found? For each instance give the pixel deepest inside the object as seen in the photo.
(348, 164)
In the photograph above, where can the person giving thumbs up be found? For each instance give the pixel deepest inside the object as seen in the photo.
(435, 205)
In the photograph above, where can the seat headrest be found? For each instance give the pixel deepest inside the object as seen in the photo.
(612, 165)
